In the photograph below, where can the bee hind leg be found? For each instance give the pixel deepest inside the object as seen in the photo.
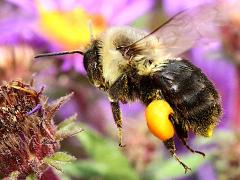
(170, 145)
(189, 148)
(182, 134)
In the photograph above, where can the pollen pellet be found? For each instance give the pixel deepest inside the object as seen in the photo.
(157, 116)
(209, 132)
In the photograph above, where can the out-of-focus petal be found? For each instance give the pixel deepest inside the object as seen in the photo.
(27, 6)
(74, 62)
(130, 11)
(78, 64)
(208, 172)
(17, 25)
(173, 7)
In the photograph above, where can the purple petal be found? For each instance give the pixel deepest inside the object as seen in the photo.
(132, 109)
(78, 64)
(172, 7)
(73, 62)
(37, 108)
(206, 172)
(90, 5)
(69, 109)
(131, 10)
(17, 26)
(67, 65)
(28, 6)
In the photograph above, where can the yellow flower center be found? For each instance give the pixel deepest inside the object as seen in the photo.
(69, 29)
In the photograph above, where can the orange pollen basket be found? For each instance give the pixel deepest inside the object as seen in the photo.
(157, 116)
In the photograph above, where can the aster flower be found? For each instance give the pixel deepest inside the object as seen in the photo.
(73, 20)
(57, 25)
(29, 139)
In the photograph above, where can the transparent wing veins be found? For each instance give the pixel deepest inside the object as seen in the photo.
(185, 29)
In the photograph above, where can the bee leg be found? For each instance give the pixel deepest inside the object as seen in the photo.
(172, 149)
(189, 148)
(118, 120)
(119, 91)
(182, 134)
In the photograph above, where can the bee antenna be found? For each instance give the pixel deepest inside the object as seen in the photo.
(59, 53)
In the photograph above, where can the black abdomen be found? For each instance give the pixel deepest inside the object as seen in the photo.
(189, 92)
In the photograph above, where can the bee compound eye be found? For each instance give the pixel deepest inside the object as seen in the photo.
(90, 59)
(158, 122)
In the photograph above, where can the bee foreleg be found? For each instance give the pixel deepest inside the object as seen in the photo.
(182, 134)
(118, 120)
(170, 145)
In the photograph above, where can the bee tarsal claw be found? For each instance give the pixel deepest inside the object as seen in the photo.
(121, 145)
(186, 168)
(201, 153)
(184, 165)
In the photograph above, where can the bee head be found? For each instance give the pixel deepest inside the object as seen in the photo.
(92, 64)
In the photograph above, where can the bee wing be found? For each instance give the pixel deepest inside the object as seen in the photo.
(185, 29)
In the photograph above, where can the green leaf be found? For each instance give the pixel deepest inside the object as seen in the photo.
(68, 128)
(172, 169)
(59, 160)
(105, 154)
(86, 168)
(62, 156)
(89, 169)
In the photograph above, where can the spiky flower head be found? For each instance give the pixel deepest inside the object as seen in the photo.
(28, 136)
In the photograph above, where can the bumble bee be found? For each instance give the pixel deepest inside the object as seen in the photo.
(130, 64)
